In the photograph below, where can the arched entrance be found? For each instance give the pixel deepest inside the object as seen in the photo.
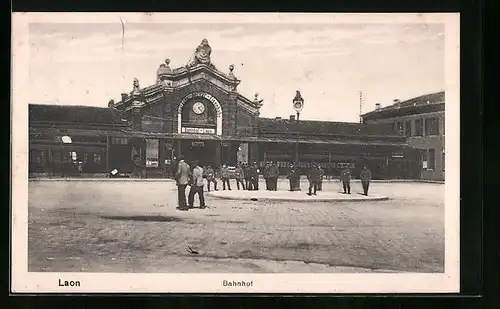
(198, 118)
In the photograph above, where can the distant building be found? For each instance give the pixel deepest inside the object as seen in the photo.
(422, 121)
(195, 111)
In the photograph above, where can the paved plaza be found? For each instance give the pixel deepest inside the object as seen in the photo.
(134, 226)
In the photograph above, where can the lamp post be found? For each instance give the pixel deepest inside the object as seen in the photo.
(64, 140)
(298, 105)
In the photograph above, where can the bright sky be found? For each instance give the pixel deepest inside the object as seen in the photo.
(86, 64)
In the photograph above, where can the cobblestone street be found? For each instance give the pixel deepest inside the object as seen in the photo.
(133, 226)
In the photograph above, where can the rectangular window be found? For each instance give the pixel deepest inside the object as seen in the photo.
(419, 129)
(97, 158)
(432, 126)
(56, 156)
(432, 159)
(399, 127)
(36, 156)
(423, 157)
(408, 128)
(119, 140)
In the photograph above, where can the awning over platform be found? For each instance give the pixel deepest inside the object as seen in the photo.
(206, 137)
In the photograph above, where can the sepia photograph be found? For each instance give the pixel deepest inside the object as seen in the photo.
(235, 153)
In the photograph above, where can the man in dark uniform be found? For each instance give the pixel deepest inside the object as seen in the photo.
(313, 177)
(366, 177)
(322, 174)
(209, 174)
(254, 176)
(292, 175)
(265, 174)
(239, 175)
(273, 176)
(345, 177)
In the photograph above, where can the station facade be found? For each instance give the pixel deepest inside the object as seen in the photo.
(196, 112)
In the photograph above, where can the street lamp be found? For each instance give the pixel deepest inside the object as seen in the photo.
(65, 140)
(298, 105)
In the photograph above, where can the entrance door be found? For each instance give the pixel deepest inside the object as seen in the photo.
(203, 151)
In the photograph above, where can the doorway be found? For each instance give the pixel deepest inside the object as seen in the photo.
(203, 151)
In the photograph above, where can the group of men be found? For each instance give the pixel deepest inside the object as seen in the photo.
(193, 177)
(247, 178)
(365, 176)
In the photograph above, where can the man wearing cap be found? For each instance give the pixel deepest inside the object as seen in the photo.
(313, 177)
(224, 176)
(254, 176)
(210, 176)
(267, 178)
(182, 179)
(239, 175)
(273, 176)
(292, 174)
(366, 177)
(197, 186)
(246, 173)
(345, 177)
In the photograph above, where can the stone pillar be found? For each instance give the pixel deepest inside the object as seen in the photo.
(108, 147)
(178, 145)
(161, 154)
(253, 152)
(136, 116)
(232, 117)
(218, 147)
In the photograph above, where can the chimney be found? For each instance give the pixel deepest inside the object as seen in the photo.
(396, 103)
(278, 118)
(292, 117)
(378, 106)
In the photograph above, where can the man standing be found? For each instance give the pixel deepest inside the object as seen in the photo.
(265, 173)
(246, 173)
(254, 176)
(197, 186)
(210, 176)
(182, 178)
(345, 177)
(313, 177)
(291, 173)
(366, 177)
(321, 174)
(273, 176)
(239, 175)
(224, 176)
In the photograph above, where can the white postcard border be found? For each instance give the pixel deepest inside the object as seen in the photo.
(35, 282)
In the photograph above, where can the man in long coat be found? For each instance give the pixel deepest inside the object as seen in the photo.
(313, 176)
(182, 179)
(366, 177)
(345, 177)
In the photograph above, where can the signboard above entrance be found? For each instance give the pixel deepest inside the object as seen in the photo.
(198, 130)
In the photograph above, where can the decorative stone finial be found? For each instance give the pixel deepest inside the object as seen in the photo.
(111, 103)
(201, 54)
(163, 69)
(231, 74)
(136, 86)
(124, 96)
(256, 101)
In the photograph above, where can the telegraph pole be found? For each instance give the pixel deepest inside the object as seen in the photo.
(360, 106)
